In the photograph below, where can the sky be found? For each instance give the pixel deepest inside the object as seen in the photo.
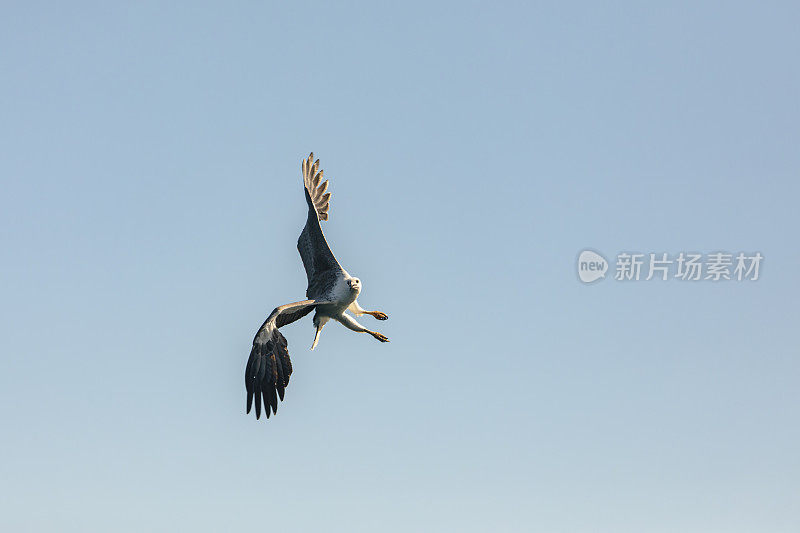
(150, 205)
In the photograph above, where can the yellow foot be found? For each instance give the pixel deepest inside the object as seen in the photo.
(379, 315)
(379, 336)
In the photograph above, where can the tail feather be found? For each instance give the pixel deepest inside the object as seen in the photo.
(319, 323)
(316, 337)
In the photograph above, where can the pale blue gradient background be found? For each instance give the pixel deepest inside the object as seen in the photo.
(151, 203)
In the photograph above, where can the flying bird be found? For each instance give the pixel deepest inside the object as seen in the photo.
(331, 292)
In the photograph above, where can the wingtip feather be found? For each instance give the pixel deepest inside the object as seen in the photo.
(267, 374)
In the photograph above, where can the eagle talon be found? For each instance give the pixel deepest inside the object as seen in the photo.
(379, 336)
(379, 315)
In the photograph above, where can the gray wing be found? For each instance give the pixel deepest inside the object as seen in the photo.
(269, 367)
(321, 266)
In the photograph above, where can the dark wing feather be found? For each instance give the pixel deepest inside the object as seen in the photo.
(262, 377)
(292, 316)
(269, 367)
(314, 250)
(321, 286)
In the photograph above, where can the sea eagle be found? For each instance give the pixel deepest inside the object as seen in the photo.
(331, 291)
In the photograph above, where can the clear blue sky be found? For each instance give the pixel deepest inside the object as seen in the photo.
(150, 205)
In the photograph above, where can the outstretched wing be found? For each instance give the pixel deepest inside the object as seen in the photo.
(269, 367)
(312, 176)
(318, 260)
